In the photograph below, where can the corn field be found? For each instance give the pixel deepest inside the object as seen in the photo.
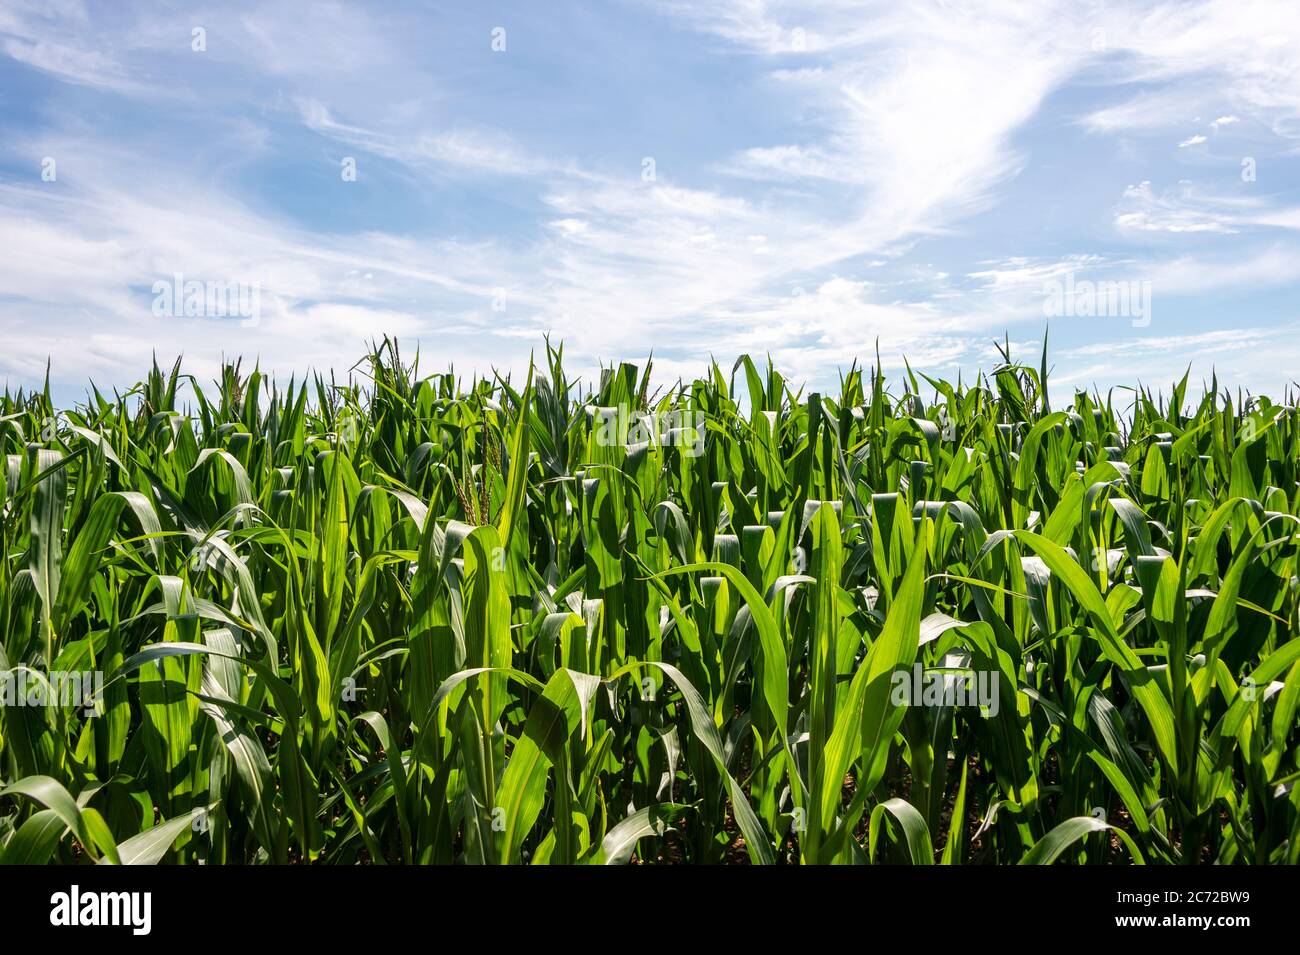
(414, 619)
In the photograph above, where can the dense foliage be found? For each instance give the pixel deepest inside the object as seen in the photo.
(410, 619)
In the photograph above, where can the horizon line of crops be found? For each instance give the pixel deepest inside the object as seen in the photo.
(410, 619)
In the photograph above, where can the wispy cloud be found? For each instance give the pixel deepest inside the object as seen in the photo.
(1184, 209)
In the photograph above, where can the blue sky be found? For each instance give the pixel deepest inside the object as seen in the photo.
(798, 179)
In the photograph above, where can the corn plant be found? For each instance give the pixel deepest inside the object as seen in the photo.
(407, 618)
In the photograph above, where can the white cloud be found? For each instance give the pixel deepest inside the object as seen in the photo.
(1186, 210)
(1239, 53)
(1020, 273)
(910, 119)
(480, 150)
(85, 67)
(1261, 359)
